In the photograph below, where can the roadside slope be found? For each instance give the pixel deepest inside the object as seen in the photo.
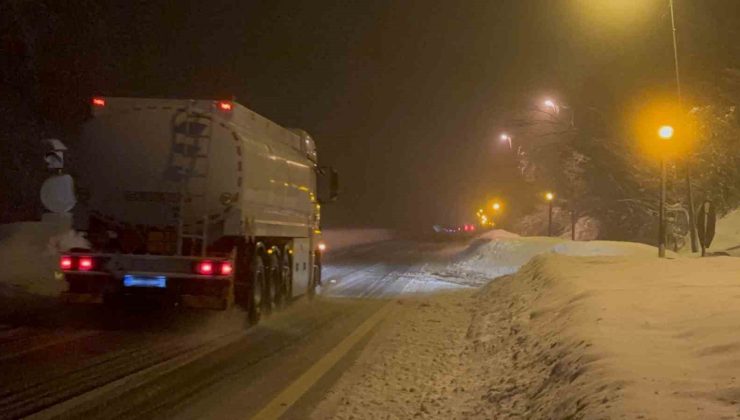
(580, 337)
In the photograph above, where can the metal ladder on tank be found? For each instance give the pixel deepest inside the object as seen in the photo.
(191, 145)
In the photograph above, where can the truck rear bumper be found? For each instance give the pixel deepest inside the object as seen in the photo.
(191, 291)
(79, 298)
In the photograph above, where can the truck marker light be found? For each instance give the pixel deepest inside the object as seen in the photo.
(65, 262)
(205, 268)
(225, 106)
(226, 268)
(322, 246)
(85, 264)
(97, 101)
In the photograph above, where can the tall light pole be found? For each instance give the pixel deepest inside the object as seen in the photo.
(549, 103)
(549, 197)
(666, 133)
(692, 219)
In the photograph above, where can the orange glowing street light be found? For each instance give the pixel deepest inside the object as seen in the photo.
(665, 132)
(549, 196)
(496, 206)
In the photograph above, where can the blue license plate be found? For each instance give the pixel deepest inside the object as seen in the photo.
(159, 282)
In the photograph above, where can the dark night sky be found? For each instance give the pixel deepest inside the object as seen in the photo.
(403, 97)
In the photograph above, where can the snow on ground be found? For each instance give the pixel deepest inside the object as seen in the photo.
(612, 333)
(727, 235)
(503, 253)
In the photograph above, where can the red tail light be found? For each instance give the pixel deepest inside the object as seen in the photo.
(98, 101)
(204, 268)
(85, 264)
(226, 268)
(225, 106)
(65, 262)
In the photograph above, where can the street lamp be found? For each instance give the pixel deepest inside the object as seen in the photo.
(549, 103)
(496, 206)
(549, 197)
(507, 138)
(690, 196)
(665, 132)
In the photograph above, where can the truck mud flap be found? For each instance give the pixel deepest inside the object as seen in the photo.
(74, 298)
(205, 302)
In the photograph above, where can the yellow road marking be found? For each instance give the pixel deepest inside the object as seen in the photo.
(280, 404)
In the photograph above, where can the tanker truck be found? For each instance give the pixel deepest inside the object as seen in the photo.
(199, 203)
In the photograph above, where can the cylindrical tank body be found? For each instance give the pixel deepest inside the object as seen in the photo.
(157, 162)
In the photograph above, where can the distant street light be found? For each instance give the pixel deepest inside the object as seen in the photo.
(507, 138)
(665, 132)
(549, 197)
(496, 206)
(549, 103)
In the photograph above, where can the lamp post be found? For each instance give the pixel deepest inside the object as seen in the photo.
(665, 133)
(549, 197)
(692, 219)
(555, 107)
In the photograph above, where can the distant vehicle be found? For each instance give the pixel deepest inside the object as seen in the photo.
(446, 230)
(199, 203)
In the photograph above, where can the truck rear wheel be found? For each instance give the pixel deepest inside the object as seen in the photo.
(256, 290)
(278, 283)
(313, 282)
(286, 275)
(272, 283)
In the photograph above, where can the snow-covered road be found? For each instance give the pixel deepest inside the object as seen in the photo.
(401, 328)
(148, 363)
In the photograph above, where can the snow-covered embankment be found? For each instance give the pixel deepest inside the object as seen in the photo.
(565, 337)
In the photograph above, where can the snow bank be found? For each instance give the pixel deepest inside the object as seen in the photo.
(503, 254)
(635, 337)
(499, 234)
(565, 337)
(29, 252)
(727, 232)
(603, 248)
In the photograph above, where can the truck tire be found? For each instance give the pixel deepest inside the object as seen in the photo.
(286, 274)
(278, 283)
(242, 275)
(313, 282)
(256, 290)
(272, 282)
